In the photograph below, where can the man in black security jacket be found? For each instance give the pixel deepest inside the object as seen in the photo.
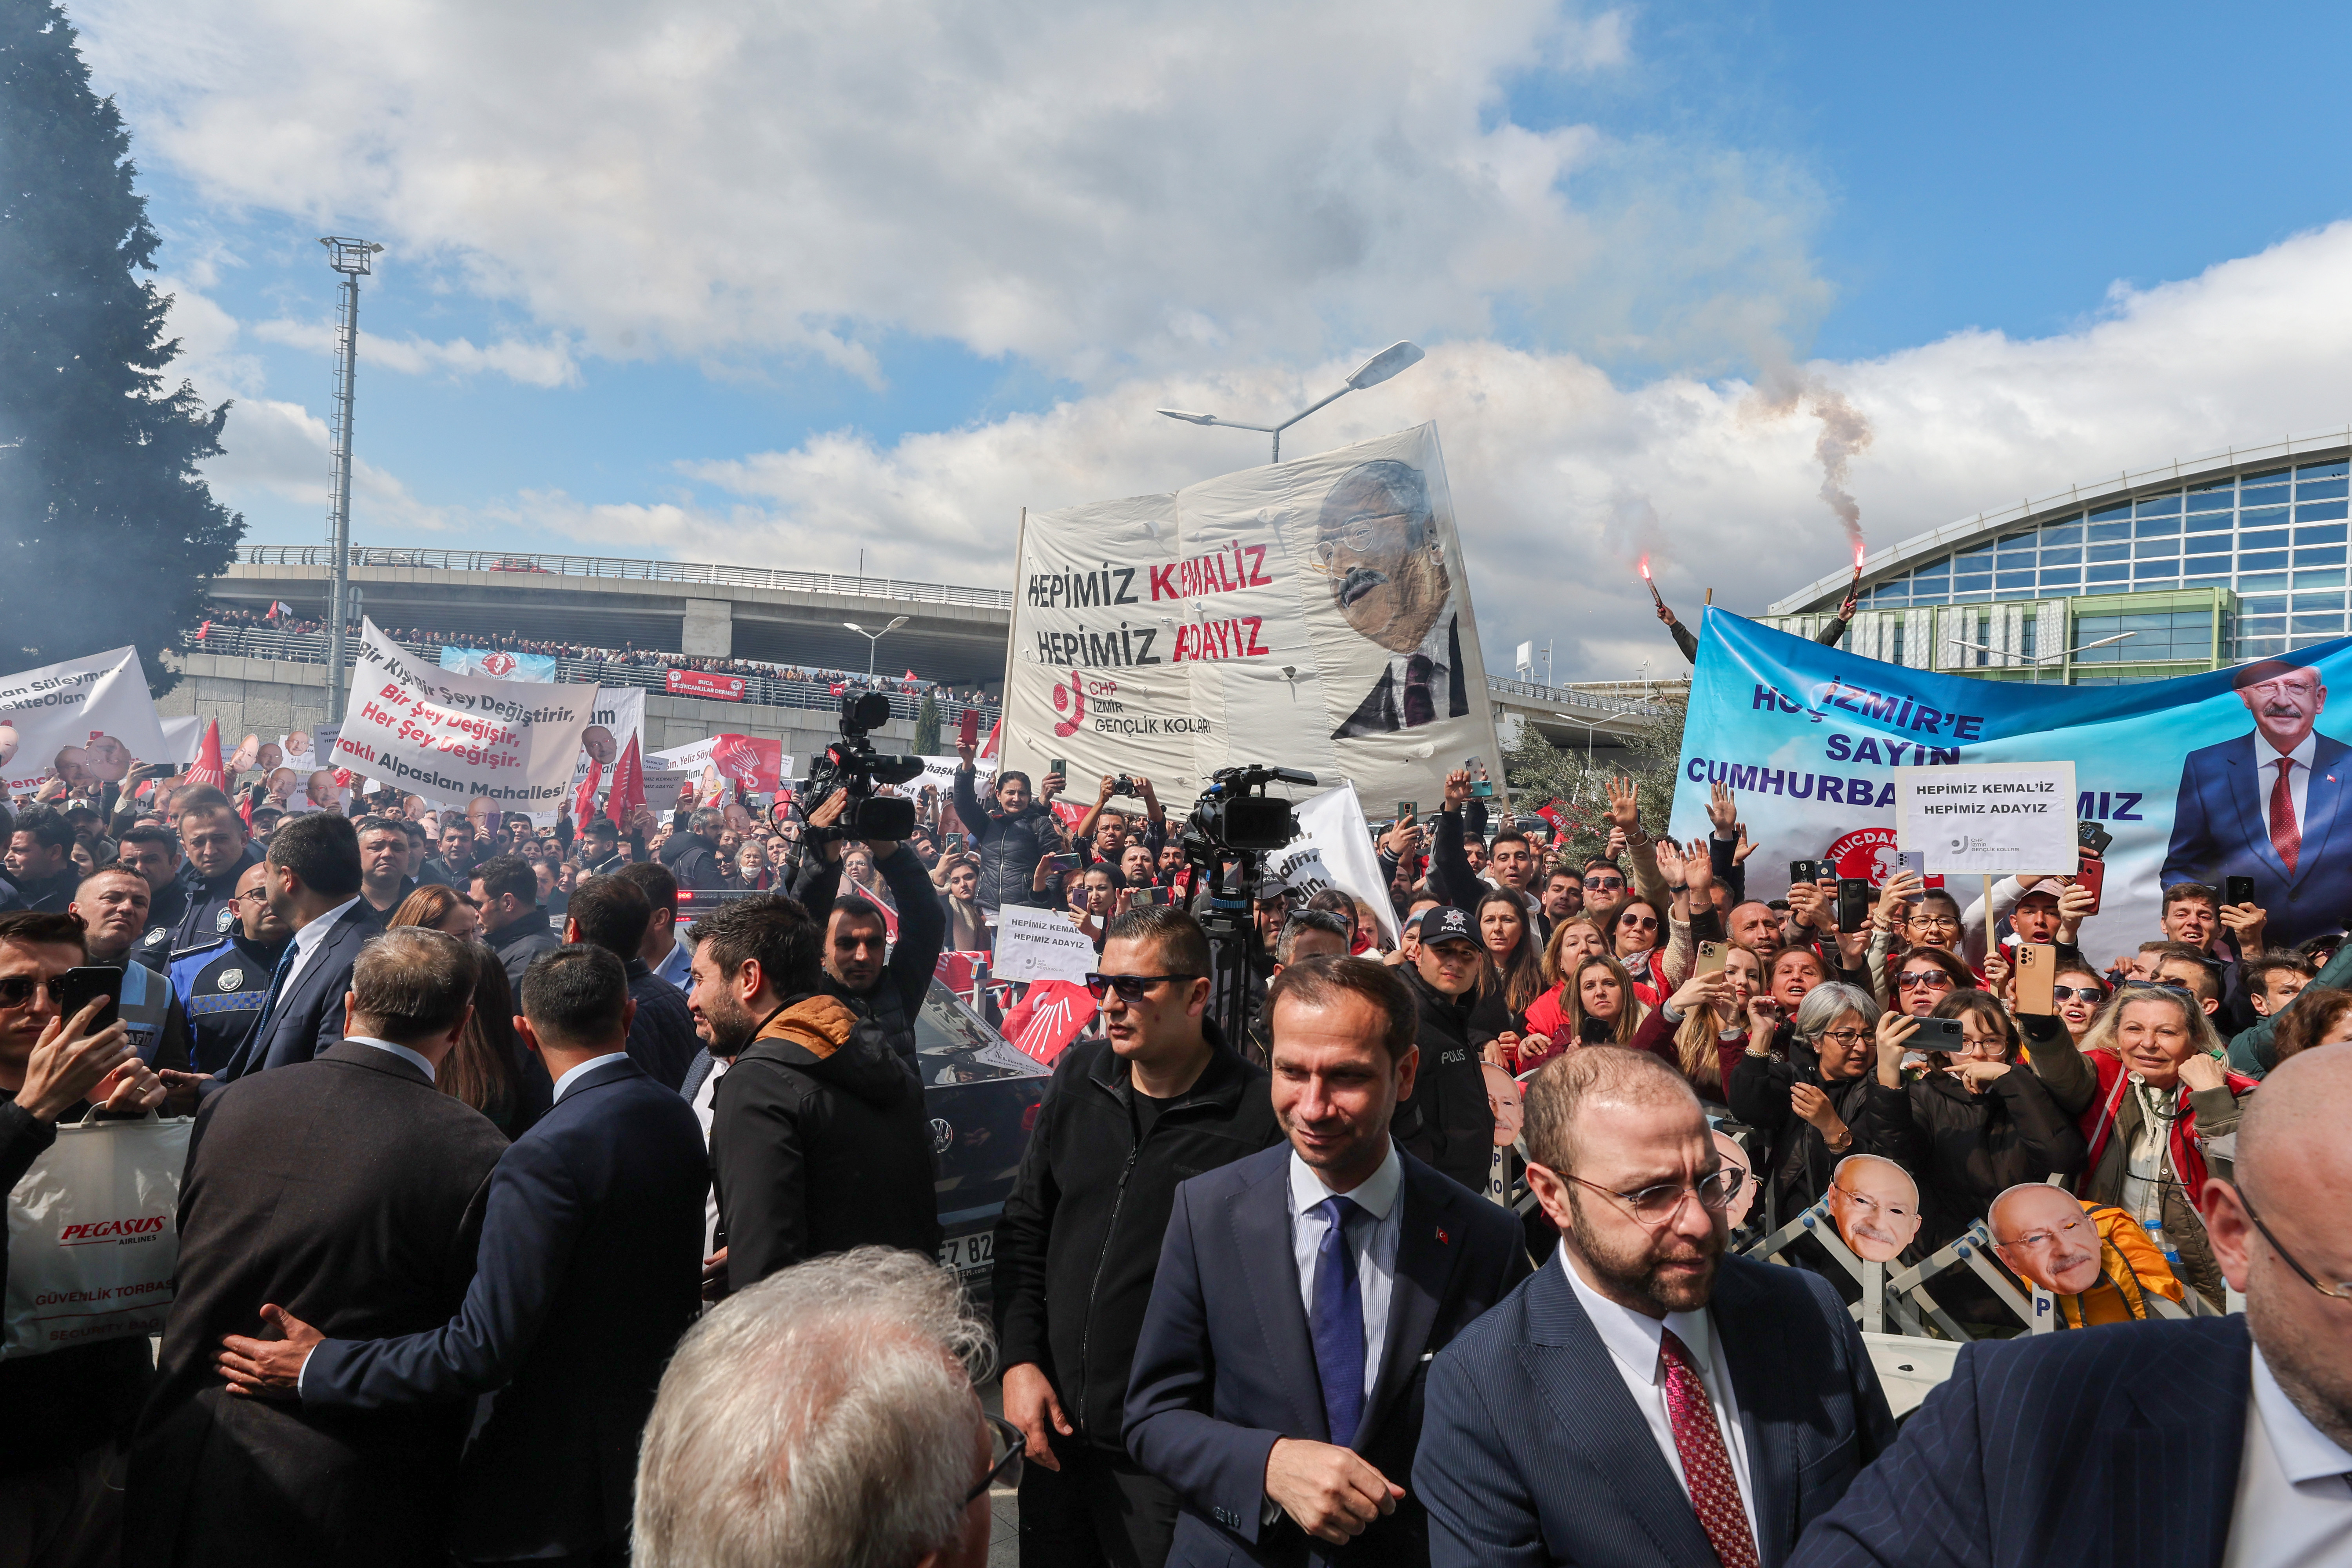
(584, 1278)
(1126, 1119)
(505, 891)
(217, 851)
(1011, 835)
(612, 912)
(818, 1136)
(1446, 1121)
(892, 989)
(349, 1190)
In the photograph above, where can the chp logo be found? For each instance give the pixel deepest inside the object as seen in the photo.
(497, 664)
(1070, 702)
(1869, 852)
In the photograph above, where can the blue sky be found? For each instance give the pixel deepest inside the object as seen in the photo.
(953, 273)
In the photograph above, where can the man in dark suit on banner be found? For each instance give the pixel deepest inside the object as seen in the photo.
(349, 1190)
(2265, 805)
(1277, 1382)
(589, 1266)
(1376, 541)
(2158, 1444)
(1644, 1399)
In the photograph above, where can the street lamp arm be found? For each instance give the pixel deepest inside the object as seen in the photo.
(1311, 408)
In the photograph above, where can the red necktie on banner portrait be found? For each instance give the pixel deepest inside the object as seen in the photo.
(2286, 834)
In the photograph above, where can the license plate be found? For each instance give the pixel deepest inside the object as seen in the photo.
(965, 1253)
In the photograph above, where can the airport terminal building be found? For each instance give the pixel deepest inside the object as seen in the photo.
(2170, 572)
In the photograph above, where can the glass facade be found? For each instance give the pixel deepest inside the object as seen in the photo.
(2274, 535)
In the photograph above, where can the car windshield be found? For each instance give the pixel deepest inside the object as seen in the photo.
(957, 1045)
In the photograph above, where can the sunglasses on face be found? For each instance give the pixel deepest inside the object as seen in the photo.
(1604, 884)
(1130, 987)
(16, 990)
(2078, 993)
(1925, 979)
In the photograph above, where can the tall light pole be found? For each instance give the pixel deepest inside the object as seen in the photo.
(1371, 372)
(873, 639)
(354, 258)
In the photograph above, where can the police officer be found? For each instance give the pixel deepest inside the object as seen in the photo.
(223, 983)
(153, 852)
(212, 836)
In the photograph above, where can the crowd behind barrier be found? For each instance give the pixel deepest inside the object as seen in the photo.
(1369, 1277)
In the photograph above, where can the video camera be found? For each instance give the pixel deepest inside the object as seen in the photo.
(1229, 817)
(851, 763)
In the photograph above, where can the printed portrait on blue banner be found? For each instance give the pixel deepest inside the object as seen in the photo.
(2230, 774)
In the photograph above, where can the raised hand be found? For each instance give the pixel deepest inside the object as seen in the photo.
(1723, 810)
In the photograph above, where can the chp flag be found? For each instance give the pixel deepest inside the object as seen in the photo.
(1311, 614)
(84, 721)
(454, 738)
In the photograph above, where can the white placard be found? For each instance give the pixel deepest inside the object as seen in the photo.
(1334, 849)
(1040, 944)
(1993, 819)
(83, 721)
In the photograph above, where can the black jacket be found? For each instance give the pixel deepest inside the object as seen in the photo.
(1447, 1124)
(350, 1191)
(1801, 1164)
(440, 873)
(519, 943)
(696, 862)
(49, 895)
(208, 914)
(1009, 845)
(820, 1144)
(164, 913)
(1079, 1240)
(1973, 1147)
(661, 1040)
(892, 1001)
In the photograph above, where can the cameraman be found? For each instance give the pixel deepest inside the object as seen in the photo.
(1012, 837)
(889, 990)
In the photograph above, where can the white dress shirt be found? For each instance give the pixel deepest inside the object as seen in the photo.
(573, 1075)
(706, 1107)
(2293, 1506)
(2298, 777)
(1635, 1342)
(1438, 648)
(1372, 1236)
(307, 941)
(403, 1052)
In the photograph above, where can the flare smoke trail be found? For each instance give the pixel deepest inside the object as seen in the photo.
(1845, 432)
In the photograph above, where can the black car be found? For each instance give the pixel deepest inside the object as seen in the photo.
(983, 1095)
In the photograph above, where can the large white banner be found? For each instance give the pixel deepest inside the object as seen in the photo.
(455, 739)
(1310, 615)
(84, 721)
(1334, 849)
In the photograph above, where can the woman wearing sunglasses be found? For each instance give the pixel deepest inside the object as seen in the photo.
(2079, 994)
(1986, 1122)
(1636, 934)
(1924, 977)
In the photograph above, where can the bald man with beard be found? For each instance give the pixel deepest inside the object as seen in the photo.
(2163, 1443)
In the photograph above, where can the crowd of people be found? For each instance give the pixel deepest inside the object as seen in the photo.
(476, 1117)
(627, 654)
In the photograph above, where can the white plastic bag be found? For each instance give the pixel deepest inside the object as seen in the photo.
(94, 1236)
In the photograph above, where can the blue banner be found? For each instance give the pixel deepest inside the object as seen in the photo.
(2186, 772)
(498, 663)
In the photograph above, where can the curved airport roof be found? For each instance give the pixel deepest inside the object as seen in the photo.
(2029, 514)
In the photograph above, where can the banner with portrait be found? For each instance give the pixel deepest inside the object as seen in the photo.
(1311, 614)
(499, 663)
(84, 721)
(2184, 773)
(460, 739)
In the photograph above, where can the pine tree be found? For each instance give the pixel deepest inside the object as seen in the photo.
(1539, 771)
(927, 727)
(108, 535)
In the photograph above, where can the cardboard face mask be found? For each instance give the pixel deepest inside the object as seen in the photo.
(1875, 1207)
(1504, 1100)
(1745, 1198)
(2045, 1237)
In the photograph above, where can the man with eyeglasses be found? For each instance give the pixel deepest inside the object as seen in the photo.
(60, 1454)
(2162, 1442)
(1377, 544)
(223, 984)
(1161, 1096)
(1645, 1396)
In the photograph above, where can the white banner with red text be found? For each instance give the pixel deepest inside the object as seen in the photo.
(84, 721)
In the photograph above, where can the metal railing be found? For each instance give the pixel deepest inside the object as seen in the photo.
(531, 562)
(774, 692)
(1611, 696)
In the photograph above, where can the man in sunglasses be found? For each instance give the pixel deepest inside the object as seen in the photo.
(2216, 1439)
(76, 1404)
(1160, 1097)
(1645, 1396)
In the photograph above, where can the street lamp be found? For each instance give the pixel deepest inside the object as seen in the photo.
(1371, 372)
(872, 638)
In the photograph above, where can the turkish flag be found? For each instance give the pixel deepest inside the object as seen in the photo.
(628, 791)
(208, 769)
(988, 747)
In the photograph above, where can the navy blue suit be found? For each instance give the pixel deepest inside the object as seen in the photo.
(2119, 1445)
(308, 1017)
(2222, 827)
(588, 1271)
(1224, 1366)
(1533, 1452)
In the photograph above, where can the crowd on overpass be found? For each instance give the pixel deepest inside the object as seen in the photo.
(626, 654)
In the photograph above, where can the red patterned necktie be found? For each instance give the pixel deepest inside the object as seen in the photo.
(2286, 834)
(1706, 1464)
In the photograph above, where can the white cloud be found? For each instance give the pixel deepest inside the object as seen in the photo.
(533, 364)
(1561, 478)
(1091, 187)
